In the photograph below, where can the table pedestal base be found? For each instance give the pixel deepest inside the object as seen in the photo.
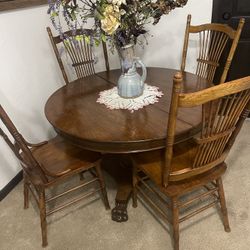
(120, 168)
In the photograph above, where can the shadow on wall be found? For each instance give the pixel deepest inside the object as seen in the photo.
(8, 165)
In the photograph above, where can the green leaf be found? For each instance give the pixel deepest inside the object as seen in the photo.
(87, 39)
(73, 15)
(79, 37)
(66, 42)
(54, 14)
(97, 42)
(104, 38)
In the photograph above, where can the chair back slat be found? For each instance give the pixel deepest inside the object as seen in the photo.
(212, 44)
(79, 52)
(212, 39)
(81, 56)
(19, 146)
(224, 108)
(222, 116)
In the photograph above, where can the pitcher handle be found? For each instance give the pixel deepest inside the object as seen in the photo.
(144, 70)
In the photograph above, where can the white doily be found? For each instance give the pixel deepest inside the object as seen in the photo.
(112, 100)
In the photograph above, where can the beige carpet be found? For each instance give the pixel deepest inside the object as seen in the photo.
(89, 227)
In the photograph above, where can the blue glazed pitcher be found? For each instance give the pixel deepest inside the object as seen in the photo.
(130, 83)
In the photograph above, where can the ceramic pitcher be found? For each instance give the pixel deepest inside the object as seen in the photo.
(130, 83)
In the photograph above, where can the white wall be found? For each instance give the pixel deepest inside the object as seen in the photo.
(29, 73)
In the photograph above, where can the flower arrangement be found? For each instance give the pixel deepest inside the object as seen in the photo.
(120, 21)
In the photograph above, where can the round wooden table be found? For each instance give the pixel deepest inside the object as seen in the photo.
(74, 113)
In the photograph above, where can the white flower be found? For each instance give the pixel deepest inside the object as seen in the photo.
(122, 12)
(111, 20)
(117, 2)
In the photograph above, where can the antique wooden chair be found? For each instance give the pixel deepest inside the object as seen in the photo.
(79, 52)
(213, 39)
(198, 163)
(46, 165)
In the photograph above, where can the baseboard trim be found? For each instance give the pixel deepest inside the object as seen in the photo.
(4, 192)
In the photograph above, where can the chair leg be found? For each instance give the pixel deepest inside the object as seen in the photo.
(175, 222)
(134, 191)
(223, 205)
(103, 186)
(42, 207)
(25, 192)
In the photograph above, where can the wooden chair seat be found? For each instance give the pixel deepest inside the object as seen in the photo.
(183, 157)
(151, 165)
(59, 157)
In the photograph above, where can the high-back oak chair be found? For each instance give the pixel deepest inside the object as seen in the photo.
(197, 163)
(47, 164)
(213, 39)
(79, 52)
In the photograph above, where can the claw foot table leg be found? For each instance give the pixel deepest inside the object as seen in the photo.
(120, 168)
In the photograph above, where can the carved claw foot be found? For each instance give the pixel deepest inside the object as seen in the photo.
(119, 212)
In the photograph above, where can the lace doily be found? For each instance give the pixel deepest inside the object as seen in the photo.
(112, 100)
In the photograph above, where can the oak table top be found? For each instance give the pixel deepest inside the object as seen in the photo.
(74, 113)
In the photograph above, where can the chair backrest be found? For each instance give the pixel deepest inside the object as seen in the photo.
(19, 147)
(79, 51)
(224, 107)
(213, 39)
